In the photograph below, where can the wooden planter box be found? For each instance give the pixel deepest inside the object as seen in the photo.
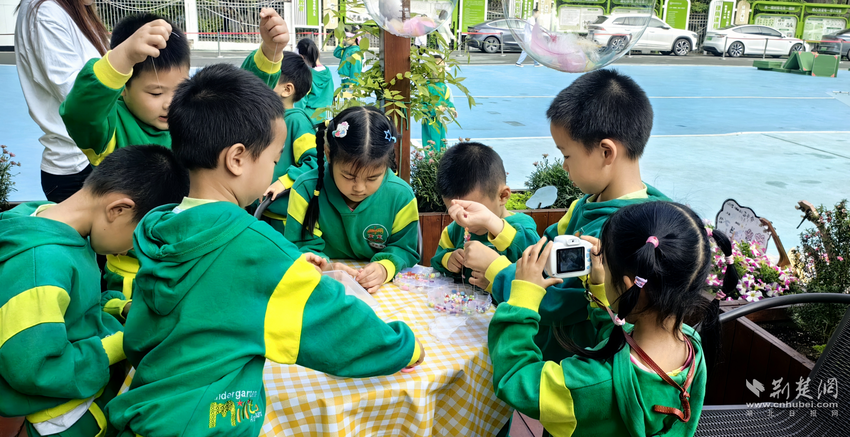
(433, 223)
(750, 352)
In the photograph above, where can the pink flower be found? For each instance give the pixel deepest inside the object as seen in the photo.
(840, 258)
(535, 163)
(545, 155)
(11, 154)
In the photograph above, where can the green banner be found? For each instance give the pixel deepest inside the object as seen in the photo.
(676, 14)
(778, 8)
(473, 12)
(312, 12)
(720, 14)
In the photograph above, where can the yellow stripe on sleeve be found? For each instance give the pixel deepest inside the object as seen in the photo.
(526, 295)
(114, 347)
(416, 354)
(406, 216)
(108, 75)
(264, 64)
(505, 238)
(285, 311)
(565, 220)
(557, 411)
(96, 158)
(446, 240)
(286, 181)
(298, 210)
(33, 307)
(390, 269)
(302, 144)
(126, 267)
(445, 260)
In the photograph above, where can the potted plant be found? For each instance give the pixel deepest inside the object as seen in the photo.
(6, 184)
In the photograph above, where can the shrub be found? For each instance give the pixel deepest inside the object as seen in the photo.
(6, 183)
(552, 173)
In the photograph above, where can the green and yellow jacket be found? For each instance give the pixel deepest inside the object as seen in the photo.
(350, 63)
(565, 304)
(384, 228)
(217, 293)
(57, 345)
(321, 94)
(581, 396)
(518, 233)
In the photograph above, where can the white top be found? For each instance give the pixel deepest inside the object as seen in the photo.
(49, 51)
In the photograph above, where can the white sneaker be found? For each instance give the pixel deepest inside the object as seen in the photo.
(518, 65)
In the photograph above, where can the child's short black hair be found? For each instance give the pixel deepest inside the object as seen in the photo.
(218, 107)
(176, 53)
(467, 166)
(294, 70)
(604, 104)
(149, 175)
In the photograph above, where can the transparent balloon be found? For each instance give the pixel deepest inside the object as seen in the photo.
(410, 18)
(579, 38)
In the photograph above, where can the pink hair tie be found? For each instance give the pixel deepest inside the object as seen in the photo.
(640, 282)
(730, 259)
(653, 240)
(618, 321)
(709, 232)
(720, 295)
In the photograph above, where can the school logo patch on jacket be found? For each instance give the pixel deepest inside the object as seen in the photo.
(376, 235)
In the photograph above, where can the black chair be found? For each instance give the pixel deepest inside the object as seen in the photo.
(834, 363)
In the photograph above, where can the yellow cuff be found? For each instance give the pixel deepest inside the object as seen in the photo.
(505, 238)
(598, 290)
(264, 64)
(115, 307)
(526, 295)
(496, 267)
(417, 352)
(114, 347)
(390, 269)
(108, 75)
(286, 181)
(445, 260)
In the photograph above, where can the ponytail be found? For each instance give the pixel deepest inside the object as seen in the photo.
(311, 217)
(709, 327)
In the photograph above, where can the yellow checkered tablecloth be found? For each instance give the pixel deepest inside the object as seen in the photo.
(450, 394)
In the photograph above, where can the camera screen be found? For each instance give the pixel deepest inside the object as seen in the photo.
(570, 260)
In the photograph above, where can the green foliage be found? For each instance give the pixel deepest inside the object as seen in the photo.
(552, 173)
(6, 183)
(824, 265)
(423, 178)
(371, 86)
(518, 199)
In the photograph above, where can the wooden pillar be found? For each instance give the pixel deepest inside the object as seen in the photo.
(396, 53)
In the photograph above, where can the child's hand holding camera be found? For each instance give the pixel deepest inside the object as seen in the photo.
(597, 270)
(147, 41)
(530, 267)
(275, 34)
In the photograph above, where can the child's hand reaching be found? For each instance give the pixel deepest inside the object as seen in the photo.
(147, 41)
(372, 277)
(529, 268)
(456, 261)
(320, 263)
(274, 189)
(275, 34)
(597, 270)
(478, 257)
(475, 217)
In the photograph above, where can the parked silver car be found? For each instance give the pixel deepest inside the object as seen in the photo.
(838, 44)
(749, 39)
(490, 35)
(615, 31)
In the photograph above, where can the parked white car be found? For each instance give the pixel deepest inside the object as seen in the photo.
(749, 39)
(615, 31)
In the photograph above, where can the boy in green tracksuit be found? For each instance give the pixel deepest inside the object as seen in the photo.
(218, 291)
(123, 98)
(474, 172)
(601, 155)
(59, 349)
(433, 128)
(350, 64)
(299, 150)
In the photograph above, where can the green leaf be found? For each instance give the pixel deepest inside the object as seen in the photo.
(326, 19)
(339, 33)
(407, 74)
(364, 44)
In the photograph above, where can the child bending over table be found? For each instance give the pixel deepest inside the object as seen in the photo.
(218, 292)
(646, 373)
(354, 206)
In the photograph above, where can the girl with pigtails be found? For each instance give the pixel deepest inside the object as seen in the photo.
(353, 206)
(647, 373)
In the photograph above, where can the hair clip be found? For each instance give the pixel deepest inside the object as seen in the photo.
(653, 240)
(316, 193)
(618, 321)
(730, 259)
(720, 295)
(388, 135)
(709, 232)
(341, 130)
(639, 282)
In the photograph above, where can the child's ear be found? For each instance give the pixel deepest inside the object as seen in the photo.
(504, 195)
(286, 89)
(610, 149)
(120, 207)
(235, 158)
